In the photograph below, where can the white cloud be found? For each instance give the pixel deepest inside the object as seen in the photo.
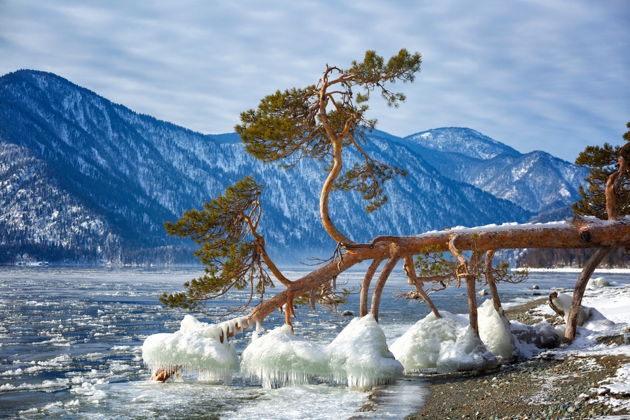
(532, 73)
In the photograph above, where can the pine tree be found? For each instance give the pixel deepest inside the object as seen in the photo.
(602, 161)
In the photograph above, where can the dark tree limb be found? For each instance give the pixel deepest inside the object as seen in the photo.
(413, 279)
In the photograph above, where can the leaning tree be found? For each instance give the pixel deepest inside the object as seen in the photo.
(319, 122)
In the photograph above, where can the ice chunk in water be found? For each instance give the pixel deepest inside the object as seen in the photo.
(359, 355)
(279, 358)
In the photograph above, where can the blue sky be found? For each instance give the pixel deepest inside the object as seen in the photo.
(535, 74)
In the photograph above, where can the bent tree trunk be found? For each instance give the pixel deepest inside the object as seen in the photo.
(578, 292)
(365, 286)
(585, 233)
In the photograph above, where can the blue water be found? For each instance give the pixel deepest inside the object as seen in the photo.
(70, 347)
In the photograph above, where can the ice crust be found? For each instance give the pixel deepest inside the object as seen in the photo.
(196, 346)
(446, 344)
(358, 356)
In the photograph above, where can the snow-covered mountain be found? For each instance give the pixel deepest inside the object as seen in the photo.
(536, 181)
(84, 178)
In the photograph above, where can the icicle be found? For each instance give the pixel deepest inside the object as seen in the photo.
(281, 358)
(359, 355)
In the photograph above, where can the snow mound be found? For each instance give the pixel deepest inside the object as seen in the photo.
(281, 358)
(468, 353)
(360, 357)
(197, 346)
(494, 331)
(563, 302)
(589, 318)
(419, 347)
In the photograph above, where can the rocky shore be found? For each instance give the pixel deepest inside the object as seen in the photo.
(554, 385)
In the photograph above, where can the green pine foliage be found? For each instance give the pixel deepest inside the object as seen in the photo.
(601, 161)
(299, 123)
(229, 246)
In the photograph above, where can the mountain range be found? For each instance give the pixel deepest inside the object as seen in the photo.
(83, 179)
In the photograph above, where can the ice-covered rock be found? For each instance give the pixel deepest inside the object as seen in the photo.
(494, 331)
(280, 358)
(531, 339)
(420, 346)
(467, 353)
(197, 346)
(360, 357)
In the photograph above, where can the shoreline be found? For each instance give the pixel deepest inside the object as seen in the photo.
(573, 270)
(555, 384)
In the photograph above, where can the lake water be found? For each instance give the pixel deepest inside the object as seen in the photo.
(70, 347)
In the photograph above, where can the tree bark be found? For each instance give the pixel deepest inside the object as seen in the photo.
(365, 287)
(472, 303)
(578, 292)
(411, 273)
(380, 284)
(492, 285)
(612, 184)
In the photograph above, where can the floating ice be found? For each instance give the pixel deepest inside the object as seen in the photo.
(419, 347)
(197, 346)
(598, 282)
(360, 357)
(279, 358)
(494, 331)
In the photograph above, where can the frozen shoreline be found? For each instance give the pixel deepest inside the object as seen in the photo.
(588, 378)
(574, 270)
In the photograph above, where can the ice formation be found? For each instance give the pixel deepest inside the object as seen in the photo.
(598, 282)
(360, 357)
(448, 344)
(494, 331)
(196, 346)
(279, 358)
(467, 353)
(420, 346)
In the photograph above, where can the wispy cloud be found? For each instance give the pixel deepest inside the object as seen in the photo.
(535, 74)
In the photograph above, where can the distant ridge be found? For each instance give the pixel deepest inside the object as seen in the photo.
(84, 179)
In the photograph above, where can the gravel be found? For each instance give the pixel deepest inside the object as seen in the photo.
(551, 386)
